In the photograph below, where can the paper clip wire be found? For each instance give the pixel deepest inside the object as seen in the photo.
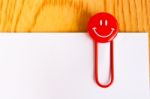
(111, 74)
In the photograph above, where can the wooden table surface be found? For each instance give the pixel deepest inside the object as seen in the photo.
(71, 15)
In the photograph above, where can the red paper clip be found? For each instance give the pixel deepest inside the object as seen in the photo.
(103, 28)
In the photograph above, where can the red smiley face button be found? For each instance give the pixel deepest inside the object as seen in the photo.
(103, 27)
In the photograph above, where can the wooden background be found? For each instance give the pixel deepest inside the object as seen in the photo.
(71, 15)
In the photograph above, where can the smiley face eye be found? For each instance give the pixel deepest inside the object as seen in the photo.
(101, 22)
(105, 22)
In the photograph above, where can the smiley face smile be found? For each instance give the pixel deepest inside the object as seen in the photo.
(98, 34)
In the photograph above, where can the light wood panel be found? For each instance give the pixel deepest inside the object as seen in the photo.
(70, 15)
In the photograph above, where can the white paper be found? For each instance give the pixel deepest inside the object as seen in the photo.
(60, 66)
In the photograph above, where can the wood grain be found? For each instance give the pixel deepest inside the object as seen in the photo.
(71, 15)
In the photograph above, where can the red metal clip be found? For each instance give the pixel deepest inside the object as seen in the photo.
(103, 28)
(111, 66)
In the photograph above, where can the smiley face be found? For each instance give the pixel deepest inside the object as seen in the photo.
(103, 27)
